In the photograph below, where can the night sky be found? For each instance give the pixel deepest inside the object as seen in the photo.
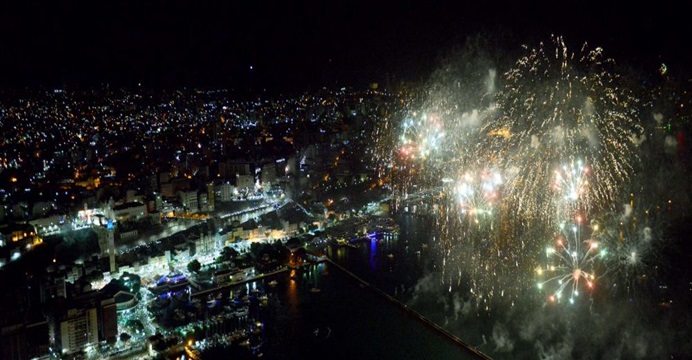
(302, 45)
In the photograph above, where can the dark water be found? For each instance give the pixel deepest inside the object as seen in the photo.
(363, 325)
(345, 321)
(407, 268)
(607, 325)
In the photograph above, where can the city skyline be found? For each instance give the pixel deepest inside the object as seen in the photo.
(354, 180)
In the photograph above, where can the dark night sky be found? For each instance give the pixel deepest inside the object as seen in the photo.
(302, 44)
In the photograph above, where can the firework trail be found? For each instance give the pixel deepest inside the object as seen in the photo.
(558, 129)
(477, 194)
(558, 105)
(572, 184)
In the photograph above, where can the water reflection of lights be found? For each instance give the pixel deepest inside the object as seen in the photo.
(293, 292)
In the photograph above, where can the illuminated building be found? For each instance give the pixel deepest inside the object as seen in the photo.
(131, 210)
(74, 329)
(111, 246)
(224, 191)
(189, 200)
(245, 182)
(106, 238)
(81, 322)
(210, 197)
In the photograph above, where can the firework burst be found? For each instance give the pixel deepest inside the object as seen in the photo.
(630, 249)
(477, 195)
(570, 266)
(571, 181)
(556, 103)
(557, 129)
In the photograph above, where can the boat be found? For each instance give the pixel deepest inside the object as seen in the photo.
(273, 283)
(315, 290)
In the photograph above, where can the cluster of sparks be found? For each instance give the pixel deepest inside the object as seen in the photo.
(559, 137)
(478, 194)
(421, 137)
(557, 104)
(571, 181)
(570, 263)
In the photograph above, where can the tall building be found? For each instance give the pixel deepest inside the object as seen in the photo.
(246, 182)
(108, 319)
(106, 239)
(111, 246)
(210, 197)
(268, 173)
(82, 321)
(202, 202)
(72, 330)
(102, 238)
(225, 192)
(189, 200)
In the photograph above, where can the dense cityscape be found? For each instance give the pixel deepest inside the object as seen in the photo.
(172, 188)
(344, 181)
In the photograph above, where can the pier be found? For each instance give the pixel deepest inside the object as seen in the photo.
(468, 348)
